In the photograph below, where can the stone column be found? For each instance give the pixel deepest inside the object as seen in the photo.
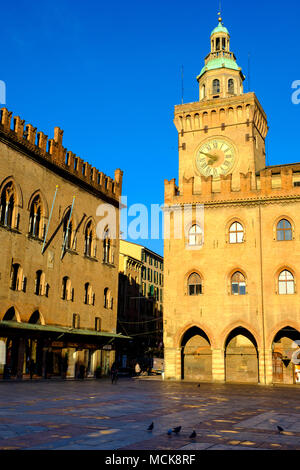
(172, 364)
(265, 361)
(218, 365)
(72, 358)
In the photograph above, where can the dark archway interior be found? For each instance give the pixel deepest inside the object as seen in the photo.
(10, 315)
(35, 318)
(192, 332)
(240, 331)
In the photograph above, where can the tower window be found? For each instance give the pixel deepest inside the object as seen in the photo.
(231, 86)
(218, 42)
(216, 86)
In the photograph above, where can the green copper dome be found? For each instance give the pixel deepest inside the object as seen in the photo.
(219, 63)
(220, 29)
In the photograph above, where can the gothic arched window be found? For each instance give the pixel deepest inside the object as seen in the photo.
(238, 284)
(284, 230)
(35, 229)
(236, 233)
(286, 283)
(194, 284)
(7, 205)
(195, 236)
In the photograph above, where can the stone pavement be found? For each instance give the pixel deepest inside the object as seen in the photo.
(94, 415)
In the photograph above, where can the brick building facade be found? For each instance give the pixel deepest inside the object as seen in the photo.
(59, 274)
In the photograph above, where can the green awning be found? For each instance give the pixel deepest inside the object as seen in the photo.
(59, 329)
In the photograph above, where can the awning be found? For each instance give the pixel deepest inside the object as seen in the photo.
(60, 329)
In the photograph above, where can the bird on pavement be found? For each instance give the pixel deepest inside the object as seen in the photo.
(177, 429)
(150, 427)
(198, 385)
(193, 435)
(280, 429)
(169, 432)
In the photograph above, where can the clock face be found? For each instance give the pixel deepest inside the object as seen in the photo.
(215, 158)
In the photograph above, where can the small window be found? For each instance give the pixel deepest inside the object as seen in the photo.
(236, 233)
(238, 284)
(194, 284)
(97, 323)
(284, 230)
(286, 283)
(76, 320)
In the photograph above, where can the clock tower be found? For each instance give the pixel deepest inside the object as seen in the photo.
(224, 132)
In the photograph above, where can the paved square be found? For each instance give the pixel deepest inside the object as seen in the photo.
(94, 414)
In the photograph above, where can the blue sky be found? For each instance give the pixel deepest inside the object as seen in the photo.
(109, 74)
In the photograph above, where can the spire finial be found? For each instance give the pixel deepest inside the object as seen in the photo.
(219, 13)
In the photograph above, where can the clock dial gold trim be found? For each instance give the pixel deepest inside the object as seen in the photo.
(215, 157)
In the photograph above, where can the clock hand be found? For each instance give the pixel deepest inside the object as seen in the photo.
(213, 157)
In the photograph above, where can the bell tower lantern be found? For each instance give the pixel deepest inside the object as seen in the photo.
(221, 77)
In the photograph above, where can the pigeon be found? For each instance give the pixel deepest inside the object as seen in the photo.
(177, 429)
(280, 429)
(198, 385)
(150, 427)
(169, 432)
(193, 435)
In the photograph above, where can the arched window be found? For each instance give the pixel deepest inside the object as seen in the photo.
(35, 228)
(39, 283)
(90, 241)
(286, 283)
(17, 278)
(67, 291)
(284, 230)
(231, 86)
(238, 284)
(195, 236)
(106, 247)
(216, 86)
(194, 284)
(69, 232)
(203, 92)
(89, 296)
(7, 205)
(236, 233)
(218, 44)
(108, 300)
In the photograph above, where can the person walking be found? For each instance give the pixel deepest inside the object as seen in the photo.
(114, 373)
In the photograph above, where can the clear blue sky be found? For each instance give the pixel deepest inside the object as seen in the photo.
(109, 74)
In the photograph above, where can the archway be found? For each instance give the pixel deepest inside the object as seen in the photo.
(196, 356)
(283, 347)
(241, 357)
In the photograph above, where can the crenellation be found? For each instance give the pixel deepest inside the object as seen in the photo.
(53, 150)
(30, 133)
(19, 126)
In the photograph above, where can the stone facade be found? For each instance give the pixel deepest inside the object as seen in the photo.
(231, 305)
(59, 280)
